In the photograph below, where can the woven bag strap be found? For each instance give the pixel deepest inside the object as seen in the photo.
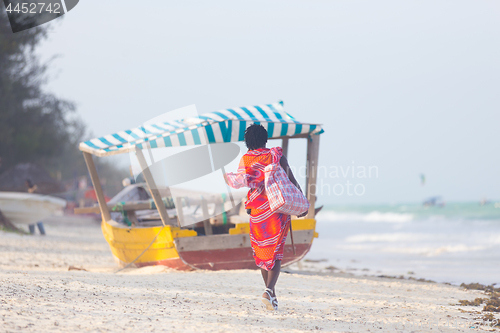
(276, 152)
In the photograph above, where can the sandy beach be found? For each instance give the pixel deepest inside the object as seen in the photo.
(38, 293)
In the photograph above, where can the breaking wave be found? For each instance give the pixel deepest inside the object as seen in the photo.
(375, 216)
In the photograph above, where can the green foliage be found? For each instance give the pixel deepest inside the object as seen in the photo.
(35, 126)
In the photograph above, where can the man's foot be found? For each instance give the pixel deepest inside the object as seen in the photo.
(275, 302)
(269, 300)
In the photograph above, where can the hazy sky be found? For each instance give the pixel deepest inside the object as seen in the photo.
(407, 86)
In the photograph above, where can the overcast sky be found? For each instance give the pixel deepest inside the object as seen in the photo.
(410, 87)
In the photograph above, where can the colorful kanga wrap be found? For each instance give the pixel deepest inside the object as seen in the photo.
(268, 230)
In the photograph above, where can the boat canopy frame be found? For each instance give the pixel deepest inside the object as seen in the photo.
(210, 128)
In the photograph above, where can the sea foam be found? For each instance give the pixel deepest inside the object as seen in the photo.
(375, 216)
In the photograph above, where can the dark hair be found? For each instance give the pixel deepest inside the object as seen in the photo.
(255, 136)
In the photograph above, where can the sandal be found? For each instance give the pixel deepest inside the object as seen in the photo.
(271, 303)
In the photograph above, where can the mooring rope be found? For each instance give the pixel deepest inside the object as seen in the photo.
(140, 255)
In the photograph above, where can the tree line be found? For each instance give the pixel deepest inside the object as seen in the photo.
(37, 126)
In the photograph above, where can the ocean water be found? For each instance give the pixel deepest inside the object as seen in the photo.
(457, 243)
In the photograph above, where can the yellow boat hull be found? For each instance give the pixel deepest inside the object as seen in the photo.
(184, 250)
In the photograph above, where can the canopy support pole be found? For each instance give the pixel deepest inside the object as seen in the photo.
(284, 147)
(311, 174)
(206, 221)
(94, 177)
(155, 193)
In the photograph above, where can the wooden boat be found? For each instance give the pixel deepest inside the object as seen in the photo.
(29, 208)
(216, 243)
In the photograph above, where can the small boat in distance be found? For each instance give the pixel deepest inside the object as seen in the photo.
(29, 208)
(434, 202)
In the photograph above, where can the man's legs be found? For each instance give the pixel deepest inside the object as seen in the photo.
(271, 277)
(264, 275)
(40, 228)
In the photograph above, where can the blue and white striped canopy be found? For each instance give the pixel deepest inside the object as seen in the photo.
(215, 127)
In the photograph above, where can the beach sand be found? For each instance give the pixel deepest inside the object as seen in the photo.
(38, 294)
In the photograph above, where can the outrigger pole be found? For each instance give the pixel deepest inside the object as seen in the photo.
(155, 193)
(284, 147)
(312, 171)
(94, 177)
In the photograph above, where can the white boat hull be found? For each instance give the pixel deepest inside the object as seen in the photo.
(28, 208)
